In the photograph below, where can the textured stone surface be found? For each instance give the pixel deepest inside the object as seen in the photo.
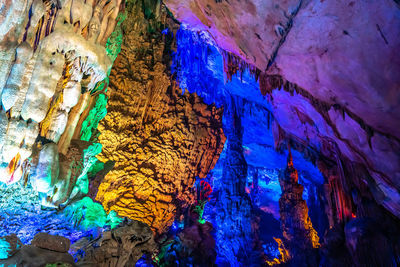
(233, 218)
(251, 29)
(45, 54)
(9, 245)
(159, 139)
(35, 257)
(23, 215)
(51, 242)
(13, 17)
(334, 251)
(45, 249)
(300, 238)
(122, 246)
(324, 47)
(193, 245)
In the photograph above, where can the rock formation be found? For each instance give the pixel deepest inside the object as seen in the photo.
(193, 245)
(44, 249)
(333, 90)
(159, 139)
(9, 245)
(300, 238)
(234, 235)
(122, 246)
(49, 68)
(85, 142)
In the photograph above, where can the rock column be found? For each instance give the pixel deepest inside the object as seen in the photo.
(299, 236)
(234, 206)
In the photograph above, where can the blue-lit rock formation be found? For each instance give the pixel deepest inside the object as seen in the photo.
(322, 171)
(23, 215)
(257, 152)
(233, 211)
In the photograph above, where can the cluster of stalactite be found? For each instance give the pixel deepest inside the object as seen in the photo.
(268, 82)
(355, 220)
(55, 57)
(349, 187)
(158, 139)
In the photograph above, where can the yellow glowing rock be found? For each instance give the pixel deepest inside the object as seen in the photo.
(159, 139)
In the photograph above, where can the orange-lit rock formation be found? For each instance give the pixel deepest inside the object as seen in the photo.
(299, 235)
(159, 139)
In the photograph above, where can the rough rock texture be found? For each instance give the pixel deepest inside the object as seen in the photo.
(199, 243)
(334, 251)
(23, 215)
(36, 257)
(192, 246)
(50, 65)
(342, 62)
(45, 249)
(51, 242)
(300, 238)
(159, 139)
(317, 45)
(251, 29)
(9, 245)
(233, 219)
(120, 247)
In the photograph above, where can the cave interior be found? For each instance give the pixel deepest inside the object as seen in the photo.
(199, 133)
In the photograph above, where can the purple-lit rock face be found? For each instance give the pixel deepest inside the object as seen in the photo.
(342, 52)
(343, 58)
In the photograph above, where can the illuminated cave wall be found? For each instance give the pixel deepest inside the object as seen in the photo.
(159, 138)
(278, 114)
(83, 145)
(255, 224)
(55, 59)
(333, 90)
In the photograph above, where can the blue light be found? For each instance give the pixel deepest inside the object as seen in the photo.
(198, 66)
(165, 31)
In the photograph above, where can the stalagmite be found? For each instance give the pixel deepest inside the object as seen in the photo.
(38, 11)
(94, 24)
(117, 111)
(300, 238)
(110, 13)
(234, 234)
(73, 120)
(16, 109)
(10, 153)
(31, 133)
